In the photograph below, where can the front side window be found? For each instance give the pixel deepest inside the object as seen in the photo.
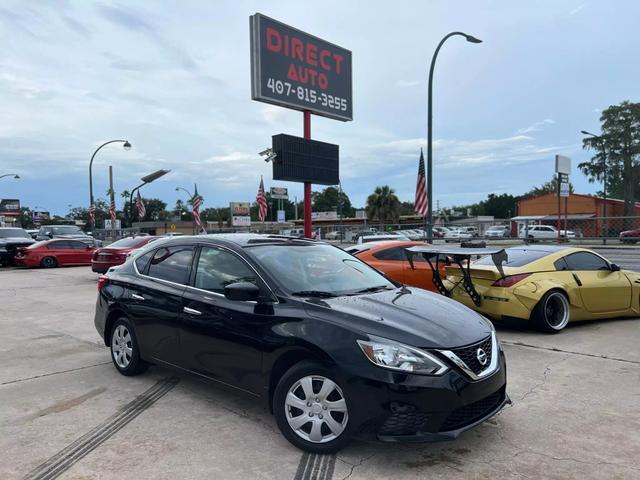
(218, 268)
(305, 267)
(171, 264)
(586, 261)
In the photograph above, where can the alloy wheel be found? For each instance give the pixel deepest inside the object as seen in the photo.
(556, 310)
(316, 409)
(121, 346)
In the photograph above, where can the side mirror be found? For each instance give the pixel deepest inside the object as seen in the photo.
(242, 291)
(615, 268)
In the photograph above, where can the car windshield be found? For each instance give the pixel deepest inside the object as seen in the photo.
(127, 242)
(516, 257)
(13, 232)
(318, 269)
(66, 230)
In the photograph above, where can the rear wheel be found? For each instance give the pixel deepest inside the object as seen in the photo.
(311, 409)
(552, 312)
(48, 262)
(124, 349)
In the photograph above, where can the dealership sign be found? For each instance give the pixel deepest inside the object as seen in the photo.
(240, 214)
(10, 207)
(293, 69)
(279, 193)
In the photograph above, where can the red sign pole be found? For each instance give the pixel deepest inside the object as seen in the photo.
(307, 185)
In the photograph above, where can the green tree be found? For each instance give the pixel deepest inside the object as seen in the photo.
(383, 204)
(330, 199)
(500, 206)
(548, 187)
(407, 208)
(617, 153)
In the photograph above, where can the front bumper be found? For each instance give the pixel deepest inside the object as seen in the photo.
(417, 408)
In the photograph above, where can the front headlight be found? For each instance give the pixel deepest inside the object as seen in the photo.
(396, 356)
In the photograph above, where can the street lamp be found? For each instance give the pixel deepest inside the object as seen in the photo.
(14, 175)
(125, 144)
(601, 141)
(146, 179)
(470, 39)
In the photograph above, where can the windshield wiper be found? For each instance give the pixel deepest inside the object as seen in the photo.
(314, 293)
(373, 289)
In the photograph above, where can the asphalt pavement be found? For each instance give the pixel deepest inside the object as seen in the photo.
(66, 413)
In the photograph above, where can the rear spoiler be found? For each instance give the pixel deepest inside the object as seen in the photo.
(458, 255)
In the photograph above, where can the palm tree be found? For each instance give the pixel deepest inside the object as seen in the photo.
(384, 205)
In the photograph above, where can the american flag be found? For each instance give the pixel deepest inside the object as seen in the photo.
(112, 211)
(422, 202)
(196, 201)
(261, 200)
(92, 213)
(140, 206)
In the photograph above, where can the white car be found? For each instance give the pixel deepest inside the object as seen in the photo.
(376, 238)
(498, 231)
(457, 235)
(544, 232)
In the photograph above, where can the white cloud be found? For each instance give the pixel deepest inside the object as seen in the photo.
(577, 9)
(536, 126)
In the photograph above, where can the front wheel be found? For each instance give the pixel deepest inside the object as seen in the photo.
(124, 349)
(552, 312)
(311, 409)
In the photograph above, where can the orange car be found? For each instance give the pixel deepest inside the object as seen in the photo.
(389, 257)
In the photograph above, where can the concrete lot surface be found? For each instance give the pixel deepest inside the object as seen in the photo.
(65, 412)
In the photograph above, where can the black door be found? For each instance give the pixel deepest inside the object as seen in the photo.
(155, 301)
(222, 339)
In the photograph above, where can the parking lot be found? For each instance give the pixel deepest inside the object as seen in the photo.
(65, 411)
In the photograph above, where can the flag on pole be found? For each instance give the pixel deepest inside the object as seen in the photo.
(261, 200)
(196, 201)
(92, 213)
(112, 211)
(421, 204)
(142, 211)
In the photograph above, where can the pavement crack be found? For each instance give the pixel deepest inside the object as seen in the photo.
(559, 350)
(356, 465)
(545, 377)
(571, 459)
(53, 373)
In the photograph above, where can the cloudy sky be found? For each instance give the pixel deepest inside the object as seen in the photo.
(173, 78)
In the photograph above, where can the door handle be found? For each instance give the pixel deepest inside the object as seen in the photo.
(137, 297)
(191, 311)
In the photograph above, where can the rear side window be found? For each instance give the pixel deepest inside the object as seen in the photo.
(218, 268)
(586, 261)
(393, 254)
(143, 260)
(61, 245)
(77, 245)
(561, 264)
(171, 264)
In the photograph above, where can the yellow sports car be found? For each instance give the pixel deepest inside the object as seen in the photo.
(547, 285)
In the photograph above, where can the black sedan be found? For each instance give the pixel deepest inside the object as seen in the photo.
(332, 347)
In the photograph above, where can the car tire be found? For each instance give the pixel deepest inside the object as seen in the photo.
(125, 353)
(552, 313)
(48, 262)
(292, 406)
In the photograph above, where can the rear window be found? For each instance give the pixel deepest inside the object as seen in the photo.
(127, 242)
(13, 232)
(516, 257)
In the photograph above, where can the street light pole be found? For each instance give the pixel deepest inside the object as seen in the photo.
(125, 144)
(193, 226)
(605, 223)
(14, 175)
(146, 179)
(470, 39)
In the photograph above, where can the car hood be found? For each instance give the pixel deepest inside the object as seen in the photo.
(408, 315)
(16, 240)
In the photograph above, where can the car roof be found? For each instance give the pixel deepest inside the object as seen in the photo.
(238, 239)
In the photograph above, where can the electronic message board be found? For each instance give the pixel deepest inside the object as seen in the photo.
(301, 160)
(293, 69)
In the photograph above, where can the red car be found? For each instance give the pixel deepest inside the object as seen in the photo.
(116, 253)
(630, 236)
(55, 253)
